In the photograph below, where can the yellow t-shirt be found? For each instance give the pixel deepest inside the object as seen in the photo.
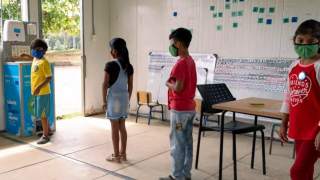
(40, 70)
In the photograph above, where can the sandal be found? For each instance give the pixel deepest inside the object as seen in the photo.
(123, 157)
(113, 158)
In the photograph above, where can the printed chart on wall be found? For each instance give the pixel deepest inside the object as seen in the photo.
(261, 77)
(160, 65)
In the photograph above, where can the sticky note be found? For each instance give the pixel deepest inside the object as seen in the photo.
(240, 13)
(269, 21)
(286, 20)
(260, 20)
(220, 14)
(227, 6)
(235, 25)
(215, 15)
(241, 0)
(175, 14)
(272, 9)
(234, 1)
(255, 9)
(294, 19)
(261, 10)
(219, 27)
(212, 8)
(234, 14)
(227, 0)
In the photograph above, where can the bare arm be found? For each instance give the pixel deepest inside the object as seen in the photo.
(130, 86)
(105, 86)
(284, 128)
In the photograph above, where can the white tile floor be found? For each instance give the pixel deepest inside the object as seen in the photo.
(79, 148)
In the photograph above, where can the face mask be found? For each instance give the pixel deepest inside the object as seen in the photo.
(37, 54)
(306, 51)
(173, 50)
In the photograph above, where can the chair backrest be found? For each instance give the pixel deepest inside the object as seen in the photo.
(144, 97)
(213, 94)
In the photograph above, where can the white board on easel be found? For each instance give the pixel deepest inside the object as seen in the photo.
(160, 65)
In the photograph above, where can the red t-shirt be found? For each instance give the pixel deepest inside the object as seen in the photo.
(304, 102)
(184, 70)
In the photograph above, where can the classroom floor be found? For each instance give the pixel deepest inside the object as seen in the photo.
(80, 146)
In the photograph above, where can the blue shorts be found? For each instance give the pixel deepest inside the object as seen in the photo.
(42, 106)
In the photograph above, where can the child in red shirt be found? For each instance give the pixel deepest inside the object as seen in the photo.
(182, 87)
(301, 107)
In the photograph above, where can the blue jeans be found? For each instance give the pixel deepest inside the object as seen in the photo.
(181, 143)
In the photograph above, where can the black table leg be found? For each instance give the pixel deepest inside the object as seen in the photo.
(254, 143)
(221, 144)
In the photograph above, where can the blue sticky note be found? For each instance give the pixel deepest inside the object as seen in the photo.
(269, 21)
(294, 19)
(16, 30)
(175, 14)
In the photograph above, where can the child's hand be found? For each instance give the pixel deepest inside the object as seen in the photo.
(36, 91)
(283, 132)
(317, 142)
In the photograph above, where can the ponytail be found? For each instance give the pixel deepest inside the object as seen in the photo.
(120, 46)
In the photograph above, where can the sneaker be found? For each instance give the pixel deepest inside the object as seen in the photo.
(40, 134)
(167, 178)
(43, 140)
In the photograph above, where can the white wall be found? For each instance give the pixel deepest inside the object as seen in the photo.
(96, 52)
(141, 24)
(146, 24)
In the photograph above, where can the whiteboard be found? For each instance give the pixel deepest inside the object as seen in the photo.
(160, 65)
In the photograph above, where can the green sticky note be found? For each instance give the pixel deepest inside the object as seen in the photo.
(234, 14)
(240, 13)
(212, 8)
(272, 9)
(219, 28)
(261, 10)
(227, 6)
(255, 9)
(215, 15)
(235, 25)
(234, 1)
(260, 20)
(286, 20)
(220, 14)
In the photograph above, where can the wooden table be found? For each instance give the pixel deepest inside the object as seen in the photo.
(257, 107)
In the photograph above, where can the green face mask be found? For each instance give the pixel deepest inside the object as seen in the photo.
(306, 51)
(173, 51)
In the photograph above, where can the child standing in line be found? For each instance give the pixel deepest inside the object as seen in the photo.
(116, 94)
(40, 86)
(182, 87)
(301, 107)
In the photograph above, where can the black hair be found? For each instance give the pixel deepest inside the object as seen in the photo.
(120, 46)
(309, 27)
(183, 35)
(39, 43)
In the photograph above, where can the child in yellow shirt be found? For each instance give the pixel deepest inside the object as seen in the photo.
(40, 85)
